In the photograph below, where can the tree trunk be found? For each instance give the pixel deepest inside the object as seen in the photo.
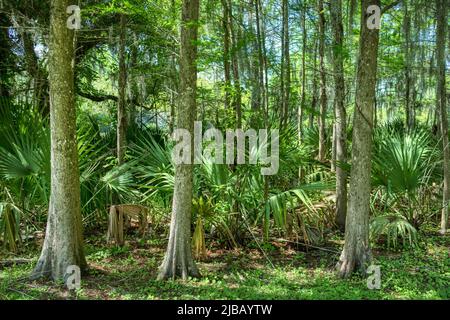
(121, 111)
(261, 70)
(266, 63)
(303, 75)
(441, 18)
(37, 74)
(407, 31)
(314, 93)
(237, 98)
(174, 77)
(356, 253)
(256, 66)
(6, 62)
(178, 261)
(351, 14)
(226, 53)
(285, 65)
(340, 114)
(63, 245)
(135, 94)
(323, 88)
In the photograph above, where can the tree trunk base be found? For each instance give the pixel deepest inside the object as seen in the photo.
(349, 263)
(62, 248)
(173, 268)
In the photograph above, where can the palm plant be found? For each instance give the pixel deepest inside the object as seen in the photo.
(404, 164)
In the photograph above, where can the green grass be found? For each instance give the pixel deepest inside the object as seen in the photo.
(130, 273)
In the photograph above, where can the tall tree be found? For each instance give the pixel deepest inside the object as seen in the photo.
(285, 64)
(237, 94)
(301, 109)
(226, 52)
(408, 59)
(261, 59)
(121, 107)
(441, 17)
(37, 74)
(356, 252)
(340, 114)
(323, 85)
(6, 60)
(314, 87)
(63, 245)
(178, 261)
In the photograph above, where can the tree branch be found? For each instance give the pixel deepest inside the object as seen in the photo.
(390, 6)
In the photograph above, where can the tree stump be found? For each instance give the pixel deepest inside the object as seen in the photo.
(120, 216)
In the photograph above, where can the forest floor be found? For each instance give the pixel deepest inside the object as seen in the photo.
(285, 273)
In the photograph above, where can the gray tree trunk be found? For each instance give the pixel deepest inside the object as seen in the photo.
(63, 245)
(323, 86)
(407, 32)
(261, 70)
(226, 53)
(303, 75)
(441, 7)
(237, 95)
(285, 65)
(314, 88)
(121, 111)
(340, 113)
(356, 253)
(178, 261)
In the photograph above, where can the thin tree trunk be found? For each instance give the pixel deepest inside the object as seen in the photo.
(135, 95)
(285, 65)
(351, 14)
(314, 93)
(256, 66)
(237, 96)
(303, 101)
(178, 261)
(226, 52)
(121, 111)
(266, 64)
(441, 18)
(356, 253)
(174, 82)
(40, 81)
(323, 86)
(407, 32)
(340, 113)
(261, 63)
(63, 244)
(6, 61)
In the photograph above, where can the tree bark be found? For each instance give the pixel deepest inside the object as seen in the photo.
(314, 89)
(6, 61)
(63, 244)
(178, 261)
(340, 113)
(351, 14)
(261, 64)
(266, 63)
(285, 65)
(323, 86)
(303, 75)
(237, 95)
(37, 74)
(121, 111)
(407, 32)
(441, 18)
(231, 54)
(356, 253)
(226, 53)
